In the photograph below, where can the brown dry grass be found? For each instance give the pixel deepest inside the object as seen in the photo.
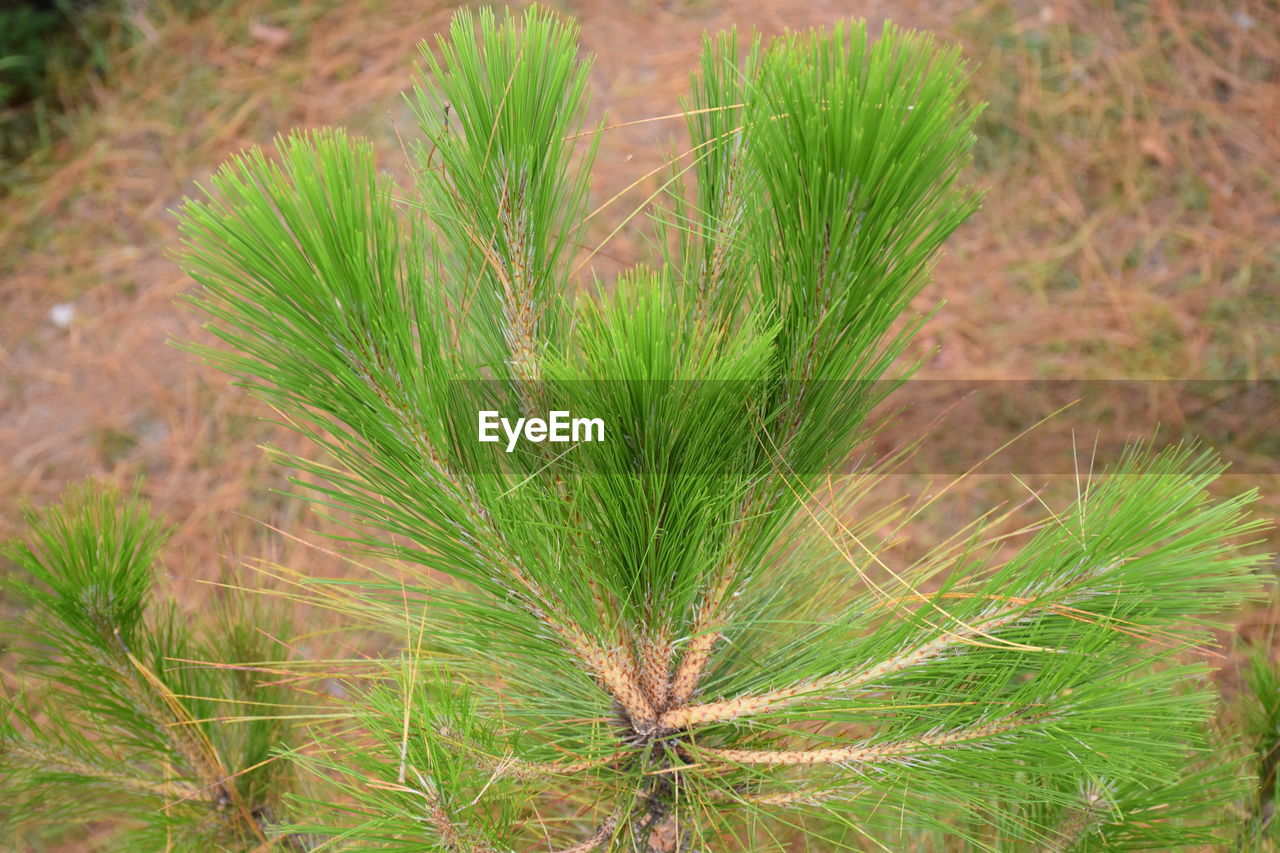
(1132, 227)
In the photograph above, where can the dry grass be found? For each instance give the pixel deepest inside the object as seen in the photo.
(1132, 226)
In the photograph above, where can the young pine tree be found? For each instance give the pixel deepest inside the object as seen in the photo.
(116, 721)
(680, 637)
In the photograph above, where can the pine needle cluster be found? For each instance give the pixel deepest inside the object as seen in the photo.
(681, 638)
(121, 713)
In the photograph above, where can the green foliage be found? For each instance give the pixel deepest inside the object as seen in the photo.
(118, 716)
(91, 564)
(448, 777)
(694, 635)
(24, 47)
(36, 41)
(508, 193)
(49, 48)
(1258, 710)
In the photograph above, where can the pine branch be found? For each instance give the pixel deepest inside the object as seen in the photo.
(656, 655)
(863, 753)
(828, 687)
(456, 839)
(603, 834)
(112, 718)
(47, 760)
(706, 626)
(1080, 820)
(516, 768)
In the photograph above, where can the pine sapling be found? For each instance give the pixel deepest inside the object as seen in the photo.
(693, 633)
(119, 714)
(636, 644)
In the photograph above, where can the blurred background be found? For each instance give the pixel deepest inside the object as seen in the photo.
(1131, 229)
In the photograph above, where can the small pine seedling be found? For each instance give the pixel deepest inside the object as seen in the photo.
(116, 721)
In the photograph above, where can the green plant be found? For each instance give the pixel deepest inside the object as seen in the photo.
(22, 50)
(50, 49)
(1255, 714)
(117, 718)
(37, 40)
(689, 635)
